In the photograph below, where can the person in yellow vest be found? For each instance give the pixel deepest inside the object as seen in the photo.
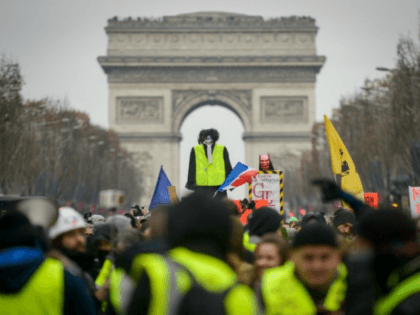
(122, 240)
(209, 164)
(384, 278)
(122, 282)
(384, 275)
(30, 283)
(103, 237)
(199, 236)
(313, 281)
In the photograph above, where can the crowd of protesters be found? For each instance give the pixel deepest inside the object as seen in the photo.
(196, 257)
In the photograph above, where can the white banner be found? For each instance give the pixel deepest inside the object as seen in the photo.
(267, 186)
(414, 194)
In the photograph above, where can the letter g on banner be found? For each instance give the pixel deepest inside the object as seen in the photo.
(261, 192)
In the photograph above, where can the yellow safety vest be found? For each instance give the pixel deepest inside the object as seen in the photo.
(283, 293)
(216, 276)
(121, 290)
(104, 274)
(401, 292)
(168, 282)
(247, 243)
(42, 294)
(209, 174)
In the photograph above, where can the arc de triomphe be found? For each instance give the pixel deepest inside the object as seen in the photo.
(161, 70)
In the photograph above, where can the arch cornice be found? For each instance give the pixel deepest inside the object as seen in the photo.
(185, 101)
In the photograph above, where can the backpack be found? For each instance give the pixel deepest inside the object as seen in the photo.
(200, 301)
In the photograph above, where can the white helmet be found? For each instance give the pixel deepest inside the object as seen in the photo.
(68, 220)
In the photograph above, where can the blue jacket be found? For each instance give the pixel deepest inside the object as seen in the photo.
(18, 264)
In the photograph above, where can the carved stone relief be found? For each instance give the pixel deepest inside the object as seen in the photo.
(139, 109)
(211, 38)
(138, 38)
(284, 109)
(214, 74)
(230, 38)
(121, 38)
(240, 97)
(222, 40)
(213, 59)
(266, 38)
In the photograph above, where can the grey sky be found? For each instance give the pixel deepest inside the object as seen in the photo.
(57, 43)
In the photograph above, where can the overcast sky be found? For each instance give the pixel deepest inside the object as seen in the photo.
(57, 44)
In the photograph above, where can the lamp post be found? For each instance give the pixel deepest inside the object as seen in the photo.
(413, 78)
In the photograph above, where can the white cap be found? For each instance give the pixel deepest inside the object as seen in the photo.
(68, 220)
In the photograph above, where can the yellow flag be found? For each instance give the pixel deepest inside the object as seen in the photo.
(341, 162)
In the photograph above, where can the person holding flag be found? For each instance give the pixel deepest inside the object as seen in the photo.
(342, 164)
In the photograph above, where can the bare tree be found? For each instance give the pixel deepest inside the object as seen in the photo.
(48, 148)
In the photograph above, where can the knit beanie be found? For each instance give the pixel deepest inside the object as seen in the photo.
(342, 216)
(385, 226)
(16, 230)
(103, 231)
(313, 218)
(264, 220)
(315, 234)
(199, 220)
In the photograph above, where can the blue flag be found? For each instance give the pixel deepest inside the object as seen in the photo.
(161, 194)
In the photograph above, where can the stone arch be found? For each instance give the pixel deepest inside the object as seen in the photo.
(184, 102)
(160, 70)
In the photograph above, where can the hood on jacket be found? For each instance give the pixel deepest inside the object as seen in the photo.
(17, 265)
(201, 224)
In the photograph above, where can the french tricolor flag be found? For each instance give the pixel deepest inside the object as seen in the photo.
(239, 175)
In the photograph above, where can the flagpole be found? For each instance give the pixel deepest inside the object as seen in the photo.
(337, 178)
